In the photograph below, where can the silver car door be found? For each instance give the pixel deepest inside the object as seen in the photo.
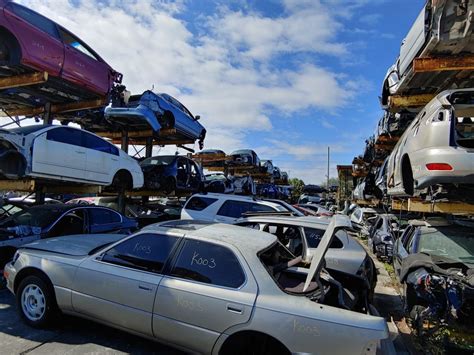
(119, 285)
(209, 289)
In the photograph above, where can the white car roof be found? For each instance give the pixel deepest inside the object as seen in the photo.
(238, 198)
(292, 220)
(247, 240)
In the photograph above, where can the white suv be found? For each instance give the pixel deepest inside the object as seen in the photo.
(225, 208)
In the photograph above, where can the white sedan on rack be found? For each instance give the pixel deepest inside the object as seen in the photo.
(66, 154)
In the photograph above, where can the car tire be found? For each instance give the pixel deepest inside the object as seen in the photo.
(10, 51)
(36, 302)
(122, 181)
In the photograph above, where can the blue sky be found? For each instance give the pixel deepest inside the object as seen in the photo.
(284, 77)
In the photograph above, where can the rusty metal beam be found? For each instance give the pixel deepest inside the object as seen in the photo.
(23, 80)
(59, 108)
(453, 207)
(32, 185)
(398, 102)
(18, 185)
(426, 65)
(137, 134)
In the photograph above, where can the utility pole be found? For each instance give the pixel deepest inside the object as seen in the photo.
(327, 186)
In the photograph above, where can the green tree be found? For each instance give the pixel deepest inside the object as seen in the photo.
(298, 186)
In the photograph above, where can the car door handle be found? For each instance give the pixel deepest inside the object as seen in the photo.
(79, 152)
(235, 309)
(145, 287)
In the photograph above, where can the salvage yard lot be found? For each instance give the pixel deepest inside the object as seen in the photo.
(74, 336)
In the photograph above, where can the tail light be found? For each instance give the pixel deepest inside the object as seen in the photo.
(439, 166)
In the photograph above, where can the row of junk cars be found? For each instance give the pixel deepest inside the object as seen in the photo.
(426, 154)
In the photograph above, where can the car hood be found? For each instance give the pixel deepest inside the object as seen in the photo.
(317, 262)
(74, 245)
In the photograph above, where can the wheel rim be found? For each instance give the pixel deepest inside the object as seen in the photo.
(33, 302)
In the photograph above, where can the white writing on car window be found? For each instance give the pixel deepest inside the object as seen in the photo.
(199, 260)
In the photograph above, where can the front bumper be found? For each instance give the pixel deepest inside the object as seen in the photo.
(9, 273)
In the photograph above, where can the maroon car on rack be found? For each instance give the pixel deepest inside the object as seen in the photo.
(31, 42)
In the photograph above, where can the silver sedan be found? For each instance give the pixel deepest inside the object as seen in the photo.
(207, 288)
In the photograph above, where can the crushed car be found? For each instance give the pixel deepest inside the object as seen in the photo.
(443, 29)
(170, 173)
(435, 155)
(194, 279)
(63, 153)
(156, 112)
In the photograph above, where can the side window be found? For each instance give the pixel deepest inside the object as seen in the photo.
(199, 203)
(208, 263)
(256, 207)
(71, 223)
(96, 143)
(251, 225)
(99, 216)
(412, 243)
(234, 209)
(379, 224)
(313, 236)
(65, 135)
(40, 22)
(73, 41)
(147, 252)
(406, 235)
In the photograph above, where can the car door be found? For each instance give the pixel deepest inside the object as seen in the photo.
(208, 290)
(103, 220)
(83, 66)
(39, 38)
(119, 285)
(102, 159)
(59, 152)
(195, 176)
(401, 248)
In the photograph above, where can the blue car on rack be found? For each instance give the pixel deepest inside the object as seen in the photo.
(150, 111)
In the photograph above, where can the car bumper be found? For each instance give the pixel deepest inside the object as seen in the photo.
(9, 273)
(460, 159)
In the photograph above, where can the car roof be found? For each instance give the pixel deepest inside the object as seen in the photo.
(247, 240)
(235, 198)
(293, 220)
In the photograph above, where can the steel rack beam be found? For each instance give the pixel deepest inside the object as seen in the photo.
(451, 63)
(451, 207)
(23, 80)
(32, 185)
(398, 102)
(59, 108)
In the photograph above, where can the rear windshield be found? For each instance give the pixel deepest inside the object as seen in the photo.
(453, 242)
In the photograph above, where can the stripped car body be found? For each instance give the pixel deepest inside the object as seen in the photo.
(437, 148)
(244, 157)
(178, 308)
(442, 29)
(156, 112)
(172, 173)
(382, 236)
(30, 42)
(65, 153)
(46, 221)
(434, 259)
(302, 235)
